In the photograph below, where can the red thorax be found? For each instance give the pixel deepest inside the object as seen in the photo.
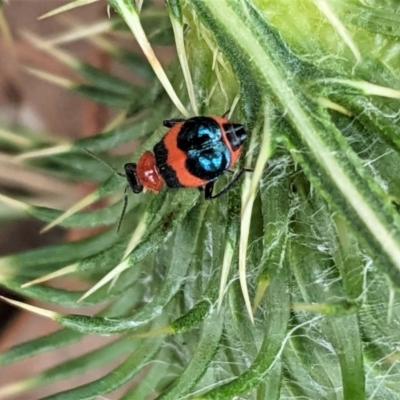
(147, 173)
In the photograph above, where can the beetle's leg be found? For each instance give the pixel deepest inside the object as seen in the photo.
(169, 123)
(229, 171)
(210, 186)
(208, 189)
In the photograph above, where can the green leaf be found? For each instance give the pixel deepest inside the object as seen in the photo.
(145, 350)
(107, 97)
(273, 341)
(202, 357)
(62, 337)
(345, 184)
(78, 365)
(321, 263)
(170, 286)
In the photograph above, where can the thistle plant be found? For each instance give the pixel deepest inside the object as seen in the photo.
(286, 287)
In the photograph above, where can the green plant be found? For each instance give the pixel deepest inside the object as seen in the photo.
(309, 243)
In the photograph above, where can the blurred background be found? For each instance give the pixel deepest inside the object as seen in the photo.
(27, 102)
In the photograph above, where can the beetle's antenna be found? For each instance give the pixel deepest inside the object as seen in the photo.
(118, 173)
(123, 208)
(103, 162)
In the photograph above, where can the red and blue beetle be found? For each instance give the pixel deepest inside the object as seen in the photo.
(194, 152)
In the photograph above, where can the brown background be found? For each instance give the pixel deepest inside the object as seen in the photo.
(28, 101)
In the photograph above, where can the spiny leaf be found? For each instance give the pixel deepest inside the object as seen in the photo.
(99, 79)
(202, 357)
(338, 27)
(52, 78)
(147, 384)
(67, 7)
(62, 337)
(33, 263)
(165, 226)
(146, 349)
(103, 190)
(170, 286)
(190, 319)
(312, 244)
(8, 136)
(63, 148)
(248, 197)
(131, 17)
(274, 333)
(72, 367)
(103, 216)
(37, 310)
(175, 11)
(358, 193)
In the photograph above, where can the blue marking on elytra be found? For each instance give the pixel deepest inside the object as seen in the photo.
(215, 157)
(213, 134)
(215, 161)
(207, 152)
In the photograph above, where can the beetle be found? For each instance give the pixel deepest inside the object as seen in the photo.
(194, 152)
